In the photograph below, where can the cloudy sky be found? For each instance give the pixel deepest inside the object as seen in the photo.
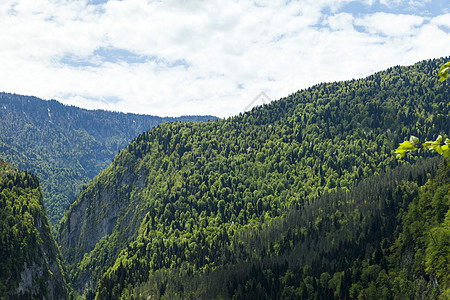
(178, 57)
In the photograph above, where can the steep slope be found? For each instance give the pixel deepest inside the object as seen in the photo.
(65, 146)
(30, 264)
(184, 192)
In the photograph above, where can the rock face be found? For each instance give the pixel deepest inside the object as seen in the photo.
(101, 209)
(30, 265)
(85, 226)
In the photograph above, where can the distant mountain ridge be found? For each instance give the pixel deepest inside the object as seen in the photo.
(66, 146)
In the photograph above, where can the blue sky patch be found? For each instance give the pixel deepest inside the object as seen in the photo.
(77, 62)
(96, 2)
(118, 55)
(424, 9)
(115, 55)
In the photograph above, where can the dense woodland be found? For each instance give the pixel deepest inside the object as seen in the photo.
(301, 198)
(66, 146)
(30, 261)
(356, 245)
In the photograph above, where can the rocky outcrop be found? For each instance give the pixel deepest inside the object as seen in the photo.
(101, 209)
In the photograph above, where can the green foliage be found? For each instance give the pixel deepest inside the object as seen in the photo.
(438, 145)
(65, 146)
(443, 71)
(407, 146)
(27, 247)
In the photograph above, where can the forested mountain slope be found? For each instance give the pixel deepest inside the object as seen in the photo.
(181, 197)
(65, 146)
(30, 261)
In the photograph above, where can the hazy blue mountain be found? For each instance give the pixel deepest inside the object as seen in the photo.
(66, 146)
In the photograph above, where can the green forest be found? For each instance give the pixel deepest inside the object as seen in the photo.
(301, 198)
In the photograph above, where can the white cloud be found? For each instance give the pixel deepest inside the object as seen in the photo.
(391, 3)
(442, 20)
(341, 21)
(390, 24)
(199, 57)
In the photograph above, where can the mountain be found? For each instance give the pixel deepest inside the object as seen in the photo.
(66, 146)
(30, 264)
(187, 207)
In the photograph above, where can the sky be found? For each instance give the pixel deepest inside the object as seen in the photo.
(178, 57)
